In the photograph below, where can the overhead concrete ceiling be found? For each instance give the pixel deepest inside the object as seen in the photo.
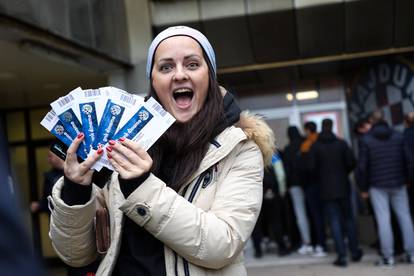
(33, 77)
(37, 64)
(257, 41)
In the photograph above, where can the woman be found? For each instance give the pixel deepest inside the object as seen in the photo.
(188, 206)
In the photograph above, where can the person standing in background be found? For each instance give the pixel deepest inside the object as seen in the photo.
(308, 180)
(362, 127)
(383, 166)
(291, 163)
(332, 160)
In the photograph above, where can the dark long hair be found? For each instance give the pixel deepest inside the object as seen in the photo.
(187, 143)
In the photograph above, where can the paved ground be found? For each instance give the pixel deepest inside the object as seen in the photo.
(297, 265)
(362, 269)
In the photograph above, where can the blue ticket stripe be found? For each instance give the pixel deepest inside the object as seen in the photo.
(73, 127)
(89, 122)
(135, 124)
(110, 120)
(63, 135)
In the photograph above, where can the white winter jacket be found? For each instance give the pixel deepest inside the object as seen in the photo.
(204, 227)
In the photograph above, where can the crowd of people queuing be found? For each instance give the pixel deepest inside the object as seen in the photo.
(316, 176)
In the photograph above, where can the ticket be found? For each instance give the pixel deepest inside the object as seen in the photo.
(52, 123)
(91, 104)
(104, 114)
(119, 107)
(119, 101)
(131, 102)
(147, 125)
(67, 110)
(135, 124)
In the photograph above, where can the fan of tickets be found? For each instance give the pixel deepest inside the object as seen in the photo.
(105, 114)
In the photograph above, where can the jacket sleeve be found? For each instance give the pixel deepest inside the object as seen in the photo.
(71, 228)
(212, 238)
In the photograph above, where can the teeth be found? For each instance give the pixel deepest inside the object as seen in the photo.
(182, 90)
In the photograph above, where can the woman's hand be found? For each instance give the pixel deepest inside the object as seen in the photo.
(76, 172)
(128, 158)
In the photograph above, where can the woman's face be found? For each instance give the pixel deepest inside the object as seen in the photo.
(180, 76)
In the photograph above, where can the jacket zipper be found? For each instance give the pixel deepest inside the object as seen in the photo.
(175, 263)
(186, 270)
(190, 199)
(195, 188)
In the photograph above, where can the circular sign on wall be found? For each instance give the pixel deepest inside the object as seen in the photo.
(388, 86)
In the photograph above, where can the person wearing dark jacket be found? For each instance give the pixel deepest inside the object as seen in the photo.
(332, 160)
(384, 162)
(362, 127)
(291, 163)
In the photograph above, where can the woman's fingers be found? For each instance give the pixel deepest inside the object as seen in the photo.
(73, 148)
(80, 173)
(128, 159)
(86, 165)
(127, 153)
(133, 146)
(119, 158)
(123, 172)
(89, 174)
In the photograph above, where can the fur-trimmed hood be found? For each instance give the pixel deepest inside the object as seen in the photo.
(259, 131)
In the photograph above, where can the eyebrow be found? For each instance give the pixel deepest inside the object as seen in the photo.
(186, 57)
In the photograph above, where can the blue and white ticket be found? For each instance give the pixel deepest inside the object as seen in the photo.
(130, 101)
(52, 123)
(118, 103)
(118, 109)
(67, 110)
(147, 125)
(91, 106)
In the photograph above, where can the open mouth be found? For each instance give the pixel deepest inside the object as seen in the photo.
(183, 97)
